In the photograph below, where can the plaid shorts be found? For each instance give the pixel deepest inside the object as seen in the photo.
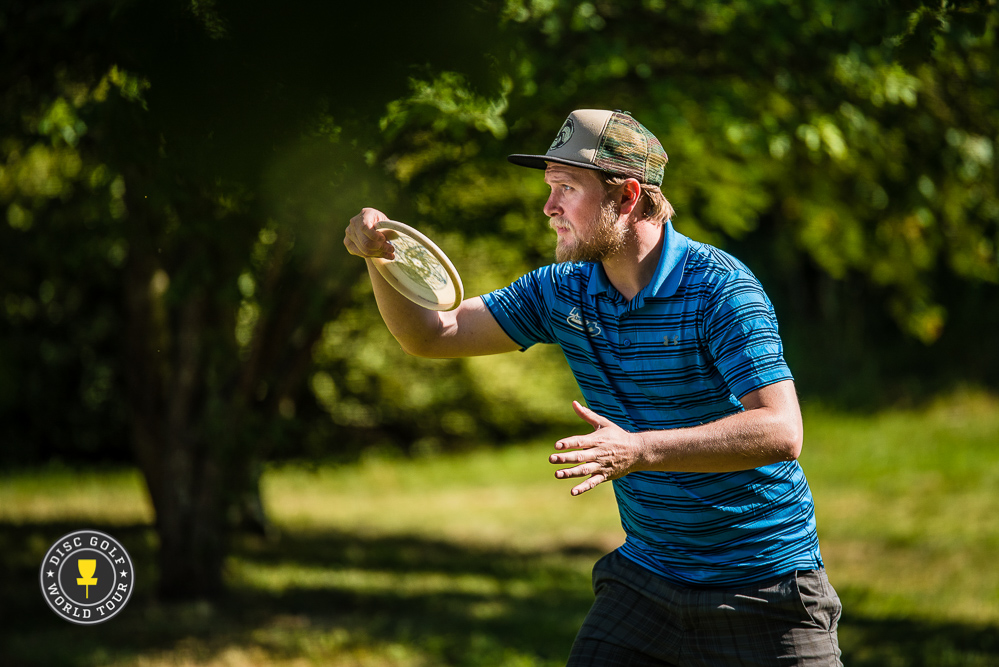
(640, 619)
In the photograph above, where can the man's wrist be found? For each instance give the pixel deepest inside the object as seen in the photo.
(644, 456)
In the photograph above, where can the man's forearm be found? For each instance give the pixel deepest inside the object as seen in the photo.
(466, 331)
(412, 325)
(742, 441)
(767, 431)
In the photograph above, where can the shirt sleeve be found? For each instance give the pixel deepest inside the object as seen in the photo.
(522, 308)
(741, 332)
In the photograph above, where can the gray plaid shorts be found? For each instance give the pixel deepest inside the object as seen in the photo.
(640, 619)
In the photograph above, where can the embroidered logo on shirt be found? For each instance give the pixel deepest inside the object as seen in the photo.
(675, 340)
(576, 321)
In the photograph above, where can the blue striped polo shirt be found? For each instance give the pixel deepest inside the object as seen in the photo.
(700, 335)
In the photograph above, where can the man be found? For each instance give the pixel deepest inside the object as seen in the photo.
(675, 348)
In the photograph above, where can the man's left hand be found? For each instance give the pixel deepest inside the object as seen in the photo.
(607, 453)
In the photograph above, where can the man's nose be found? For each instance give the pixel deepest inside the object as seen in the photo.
(552, 208)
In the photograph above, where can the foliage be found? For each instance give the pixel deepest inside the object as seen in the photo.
(199, 177)
(174, 177)
(823, 143)
(862, 136)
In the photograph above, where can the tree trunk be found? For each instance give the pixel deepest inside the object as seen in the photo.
(200, 429)
(165, 376)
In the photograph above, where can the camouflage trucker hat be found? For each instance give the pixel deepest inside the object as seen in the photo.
(610, 141)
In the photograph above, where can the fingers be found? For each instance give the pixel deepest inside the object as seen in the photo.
(578, 471)
(596, 472)
(574, 442)
(590, 417)
(362, 239)
(601, 455)
(581, 455)
(596, 476)
(591, 483)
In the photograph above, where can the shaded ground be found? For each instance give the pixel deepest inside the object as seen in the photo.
(342, 598)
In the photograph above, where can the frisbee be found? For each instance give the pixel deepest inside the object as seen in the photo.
(421, 271)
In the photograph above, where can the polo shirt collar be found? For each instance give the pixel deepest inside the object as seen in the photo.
(665, 280)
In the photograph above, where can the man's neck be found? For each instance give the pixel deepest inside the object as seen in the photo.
(630, 269)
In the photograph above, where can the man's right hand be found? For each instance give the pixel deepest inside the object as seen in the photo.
(467, 331)
(362, 239)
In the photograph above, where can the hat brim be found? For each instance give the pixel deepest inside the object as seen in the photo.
(541, 161)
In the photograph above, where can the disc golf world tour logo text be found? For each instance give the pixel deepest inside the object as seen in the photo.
(87, 577)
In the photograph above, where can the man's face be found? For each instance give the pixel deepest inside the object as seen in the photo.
(582, 214)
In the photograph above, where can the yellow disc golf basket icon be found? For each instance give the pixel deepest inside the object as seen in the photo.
(87, 568)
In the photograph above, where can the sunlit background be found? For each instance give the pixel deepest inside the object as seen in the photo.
(190, 361)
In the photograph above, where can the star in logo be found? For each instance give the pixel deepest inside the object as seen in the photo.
(50, 573)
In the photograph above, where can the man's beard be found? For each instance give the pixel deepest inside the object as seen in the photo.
(606, 238)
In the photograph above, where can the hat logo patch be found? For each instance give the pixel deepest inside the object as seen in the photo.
(563, 136)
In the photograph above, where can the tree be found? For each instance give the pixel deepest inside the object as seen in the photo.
(865, 133)
(846, 150)
(202, 157)
(171, 173)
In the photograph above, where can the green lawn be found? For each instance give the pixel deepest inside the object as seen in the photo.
(484, 558)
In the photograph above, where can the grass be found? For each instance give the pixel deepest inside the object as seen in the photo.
(907, 505)
(484, 558)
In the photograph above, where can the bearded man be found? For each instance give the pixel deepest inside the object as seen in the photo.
(695, 417)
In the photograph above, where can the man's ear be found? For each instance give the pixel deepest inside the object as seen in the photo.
(629, 194)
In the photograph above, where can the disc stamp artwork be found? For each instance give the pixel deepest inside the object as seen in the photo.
(87, 577)
(420, 270)
(419, 264)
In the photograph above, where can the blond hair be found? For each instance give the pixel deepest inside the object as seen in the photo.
(657, 208)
